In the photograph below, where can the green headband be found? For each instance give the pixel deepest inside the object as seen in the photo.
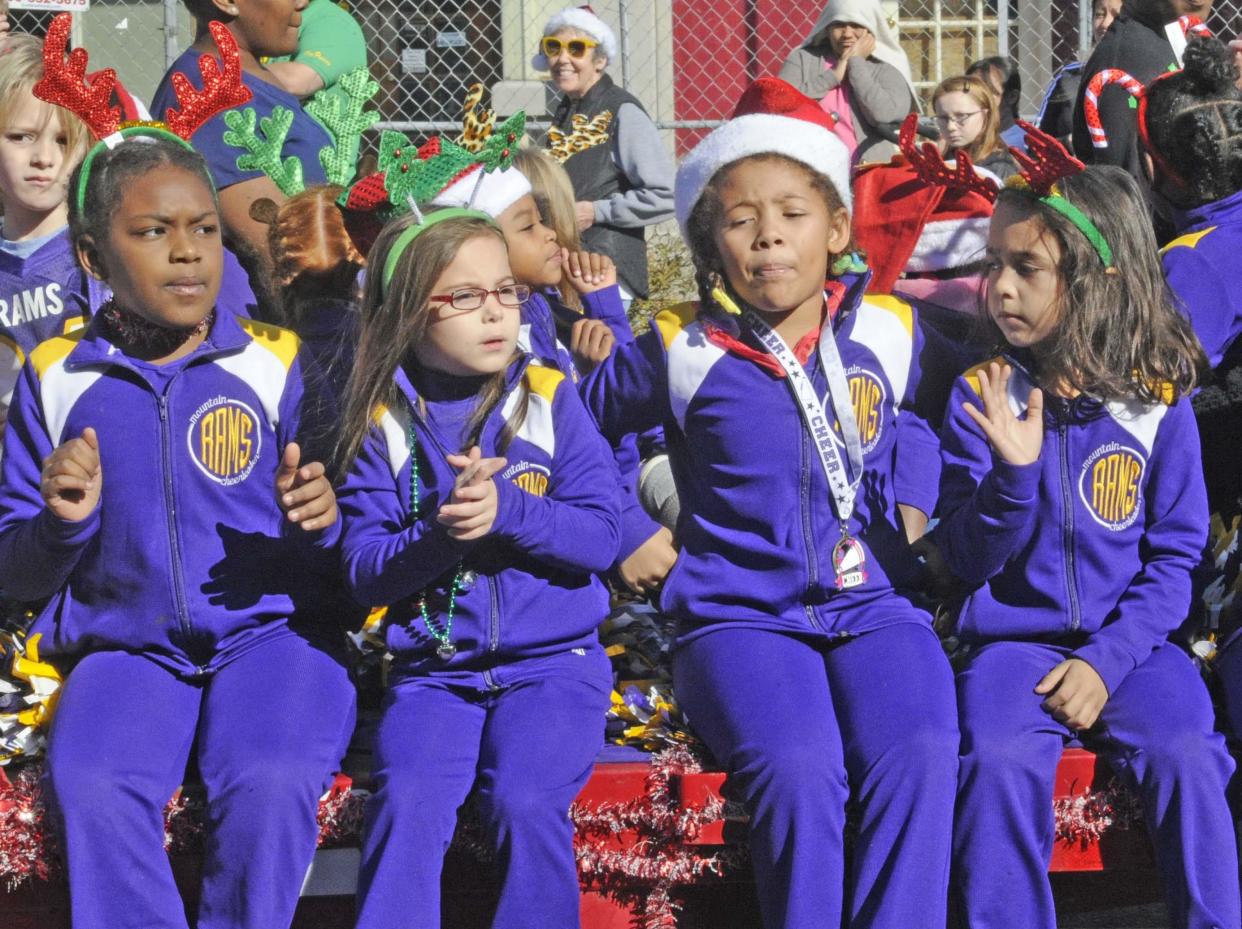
(1055, 201)
(110, 142)
(413, 232)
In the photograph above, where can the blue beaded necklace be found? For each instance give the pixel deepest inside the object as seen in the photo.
(442, 634)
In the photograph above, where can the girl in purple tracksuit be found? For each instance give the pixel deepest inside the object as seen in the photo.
(153, 489)
(808, 675)
(479, 502)
(1072, 500)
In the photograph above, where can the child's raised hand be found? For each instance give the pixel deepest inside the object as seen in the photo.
(73, 478)
(304, 491)
(591, 343)
(1075, 693)
(588, 271)
(471, 511)
(1017, 441)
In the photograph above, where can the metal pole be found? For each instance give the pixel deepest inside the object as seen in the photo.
(1002, 29)
(172, 43)
(1086, 33)
(623, 14)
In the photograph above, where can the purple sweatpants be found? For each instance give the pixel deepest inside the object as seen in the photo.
(801, 725)
(272, 725)
(1155, 731)
(527, 748)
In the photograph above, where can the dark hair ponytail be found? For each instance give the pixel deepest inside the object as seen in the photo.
(1194, 125)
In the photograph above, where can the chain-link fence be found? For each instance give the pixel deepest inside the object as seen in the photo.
(688, 61)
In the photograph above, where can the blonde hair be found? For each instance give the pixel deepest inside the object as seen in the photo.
(554, 195)
(988, 141)
(21, 67)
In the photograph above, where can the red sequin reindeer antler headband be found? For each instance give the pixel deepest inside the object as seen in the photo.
(65, 83)
(933, 169)
(1045, 162)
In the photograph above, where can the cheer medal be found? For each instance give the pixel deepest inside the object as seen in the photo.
(446, 651)
(848, 563)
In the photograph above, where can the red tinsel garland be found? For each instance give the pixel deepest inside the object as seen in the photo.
(643, 874)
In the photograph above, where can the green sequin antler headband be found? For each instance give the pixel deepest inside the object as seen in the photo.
(1045, 162)
(346, 118)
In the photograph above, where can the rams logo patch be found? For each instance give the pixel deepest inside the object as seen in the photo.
(1111, 485)
(225, 440)
(867, 395)
(531, 478)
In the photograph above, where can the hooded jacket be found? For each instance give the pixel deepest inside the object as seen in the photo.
(188, 557)
(1093, 544)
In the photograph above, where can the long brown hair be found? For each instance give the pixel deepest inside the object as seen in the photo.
(989, 140)
(554, 195)
(396, 318)
(1118, 336)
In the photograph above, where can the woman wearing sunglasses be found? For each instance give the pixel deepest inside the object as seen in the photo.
(853, 65)
(621, 171)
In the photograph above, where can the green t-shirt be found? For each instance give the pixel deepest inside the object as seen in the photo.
(330, 42)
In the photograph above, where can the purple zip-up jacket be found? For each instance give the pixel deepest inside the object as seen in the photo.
(1093, 544)
(1201, 266)
(530, 586)
(188, 557)
(757, 520)
(539, 315)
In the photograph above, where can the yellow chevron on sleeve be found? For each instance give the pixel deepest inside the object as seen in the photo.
(73, 324)
(53, 350)
(972, 376)
(282, 343)
(1189, 240)
(672, 321)
(898, 307)
(542, 381)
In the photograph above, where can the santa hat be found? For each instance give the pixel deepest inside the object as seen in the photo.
(493, 192)
(584, 20)
(905, 224)
(772, 118)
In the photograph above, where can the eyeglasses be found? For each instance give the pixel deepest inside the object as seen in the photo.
(961, 119)
(471, 298)
(577, 48)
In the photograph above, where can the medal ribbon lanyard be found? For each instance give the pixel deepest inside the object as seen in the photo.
(844, 490)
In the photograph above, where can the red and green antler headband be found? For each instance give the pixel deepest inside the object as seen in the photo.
(65, 83)
(409, 176)
(1045, 162)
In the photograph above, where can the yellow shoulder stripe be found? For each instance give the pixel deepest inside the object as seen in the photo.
(53, 350)
(972, 376)
(282, 343)
(896, 306)
(672, 321)
(1189, 240)
(74, 323)
(543, 381)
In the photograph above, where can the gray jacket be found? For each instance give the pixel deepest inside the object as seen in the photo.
(879, 94)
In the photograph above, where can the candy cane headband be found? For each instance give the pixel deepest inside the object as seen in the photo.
(65, 84)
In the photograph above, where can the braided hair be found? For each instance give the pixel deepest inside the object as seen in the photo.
(1194, 126)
